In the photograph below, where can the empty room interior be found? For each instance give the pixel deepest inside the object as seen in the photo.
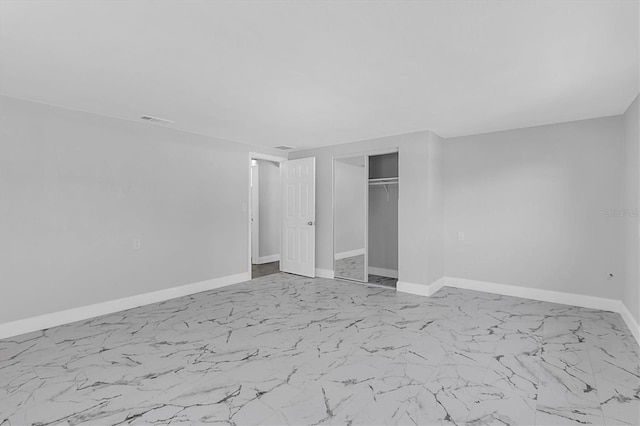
(319, 212)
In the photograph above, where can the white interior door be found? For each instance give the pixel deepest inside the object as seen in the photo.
(298, 254)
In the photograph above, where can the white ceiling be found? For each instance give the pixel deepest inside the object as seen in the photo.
(320, 73)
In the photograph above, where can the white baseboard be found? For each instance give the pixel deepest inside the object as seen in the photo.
(350, 253)
(630, 321)
(389, 273)
(581, 300)
(268, 259)
(27, 325)
(420, 289)
(324, 273)
(572, 299)
(536, 294)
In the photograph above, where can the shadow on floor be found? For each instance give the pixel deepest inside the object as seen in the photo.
(385, 281)
(258, 271)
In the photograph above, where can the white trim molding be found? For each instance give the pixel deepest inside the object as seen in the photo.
(584, 301)
(630, 321)
(268, 157)
(324, 273)
(350, 253)
(268, 259)
(536, 294)
(383, 272)
(420, 289)
(41, 322)
(592, 302)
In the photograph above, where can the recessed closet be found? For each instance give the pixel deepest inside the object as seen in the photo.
(366, 189)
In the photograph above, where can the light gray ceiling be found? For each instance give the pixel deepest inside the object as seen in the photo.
(319, 73)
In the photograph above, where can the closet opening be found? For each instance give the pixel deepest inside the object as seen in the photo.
(383, 220)
(366, 218)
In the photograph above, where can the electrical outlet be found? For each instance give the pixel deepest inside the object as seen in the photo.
(137, 244)
(460, 236)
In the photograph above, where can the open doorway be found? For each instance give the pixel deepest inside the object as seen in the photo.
(265, 219)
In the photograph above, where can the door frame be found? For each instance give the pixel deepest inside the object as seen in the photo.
(256, 156)
(366, 154)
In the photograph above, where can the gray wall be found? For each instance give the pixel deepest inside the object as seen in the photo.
(350, 206)
(269, 205)
(418, 243)
(631, 209)
(383, 166)
(77, 188)
(434, 212)
(533, 206)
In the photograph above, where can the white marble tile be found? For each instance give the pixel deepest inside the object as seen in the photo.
(283, 349)
(351, 268)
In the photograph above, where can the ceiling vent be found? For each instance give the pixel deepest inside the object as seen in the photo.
(151, 119)
(285, 147)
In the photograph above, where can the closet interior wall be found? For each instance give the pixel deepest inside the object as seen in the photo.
(383, 217)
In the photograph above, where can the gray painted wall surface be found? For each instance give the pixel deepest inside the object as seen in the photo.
(533, 206)
(434, 212)
(631, 208)
(383, 166)
(77, 189)
(533, 203)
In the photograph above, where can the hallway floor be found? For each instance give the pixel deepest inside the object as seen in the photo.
(283, 349)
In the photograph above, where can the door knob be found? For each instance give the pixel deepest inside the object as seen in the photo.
(310, 223)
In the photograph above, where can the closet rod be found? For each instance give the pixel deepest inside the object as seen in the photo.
(384, 182)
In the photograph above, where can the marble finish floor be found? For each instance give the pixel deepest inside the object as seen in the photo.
(384, 281)
(351, 268)
(287, 350)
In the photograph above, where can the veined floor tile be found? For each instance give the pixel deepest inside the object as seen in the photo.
(287, 350)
